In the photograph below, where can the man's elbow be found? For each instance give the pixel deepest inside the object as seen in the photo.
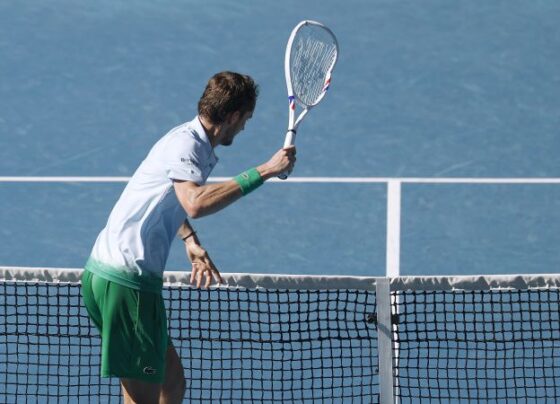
(190, 201)
(194, 210)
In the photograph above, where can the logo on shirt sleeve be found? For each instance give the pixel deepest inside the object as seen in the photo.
(191, 165)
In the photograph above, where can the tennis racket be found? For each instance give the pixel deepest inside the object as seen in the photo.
(311, 54)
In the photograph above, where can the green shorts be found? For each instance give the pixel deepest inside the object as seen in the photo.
(133, 328)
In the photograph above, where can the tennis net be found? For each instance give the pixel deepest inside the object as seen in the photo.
(261, 339)
(480, 339)
(298, 339)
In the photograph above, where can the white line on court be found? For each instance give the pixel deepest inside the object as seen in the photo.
(349, 180)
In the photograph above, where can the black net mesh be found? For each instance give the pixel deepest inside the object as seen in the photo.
(257, 345)
(488, 346)
(236, 345)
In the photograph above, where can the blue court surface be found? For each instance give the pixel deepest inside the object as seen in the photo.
(431, 89)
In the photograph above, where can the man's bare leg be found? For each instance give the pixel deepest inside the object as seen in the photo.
(171, 391)
(173, 387)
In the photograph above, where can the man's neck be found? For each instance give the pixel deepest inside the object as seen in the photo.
(212, 130)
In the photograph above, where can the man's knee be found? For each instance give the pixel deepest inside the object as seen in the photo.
(174, 387)
(174, 384)
(175, 381)
(138, 392)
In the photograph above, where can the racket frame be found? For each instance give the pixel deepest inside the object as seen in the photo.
(293, 123)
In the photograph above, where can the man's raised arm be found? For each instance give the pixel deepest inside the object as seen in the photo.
(202, 200)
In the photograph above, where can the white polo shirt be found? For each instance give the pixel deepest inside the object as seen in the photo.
(133, 247)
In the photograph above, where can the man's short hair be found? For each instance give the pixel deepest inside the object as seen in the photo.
(225, 93)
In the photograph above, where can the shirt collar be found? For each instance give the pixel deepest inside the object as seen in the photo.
(197, 126)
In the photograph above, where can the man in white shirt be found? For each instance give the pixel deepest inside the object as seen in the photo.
(122, 281)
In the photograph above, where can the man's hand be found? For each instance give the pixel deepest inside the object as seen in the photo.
(202, 265)
(283, 161)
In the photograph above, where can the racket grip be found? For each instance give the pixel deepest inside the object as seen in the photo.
(288, 141)
(290, 138)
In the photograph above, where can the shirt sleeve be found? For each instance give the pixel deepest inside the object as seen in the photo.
(185, 159)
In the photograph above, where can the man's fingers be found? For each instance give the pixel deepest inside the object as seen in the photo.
(291, 156)
(203, 273)
(193, 272)
(290, 153)
(217, 277)
(199, 278)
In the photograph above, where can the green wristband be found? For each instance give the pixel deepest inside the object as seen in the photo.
(249, 180)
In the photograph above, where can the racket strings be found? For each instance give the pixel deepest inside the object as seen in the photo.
(313, 55)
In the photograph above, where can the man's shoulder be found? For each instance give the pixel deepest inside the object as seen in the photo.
(191, 129)
(183, 153)
(181, 144)
(186, 134)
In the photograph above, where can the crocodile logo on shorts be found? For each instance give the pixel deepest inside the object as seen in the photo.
(149, 370)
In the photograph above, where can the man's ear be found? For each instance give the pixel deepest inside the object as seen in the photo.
(233, 117)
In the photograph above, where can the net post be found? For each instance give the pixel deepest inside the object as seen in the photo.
(393, 228)
(384, 340)
(393, 267)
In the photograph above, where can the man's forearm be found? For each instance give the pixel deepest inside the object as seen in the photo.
(207, 199)
(185, 231)
(211, 198)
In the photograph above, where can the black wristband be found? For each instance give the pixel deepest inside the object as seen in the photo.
(192, 233)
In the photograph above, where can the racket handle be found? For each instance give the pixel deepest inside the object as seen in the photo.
(290, 138)
(288, 141)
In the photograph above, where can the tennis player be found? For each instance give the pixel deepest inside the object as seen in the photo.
(122, 281)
